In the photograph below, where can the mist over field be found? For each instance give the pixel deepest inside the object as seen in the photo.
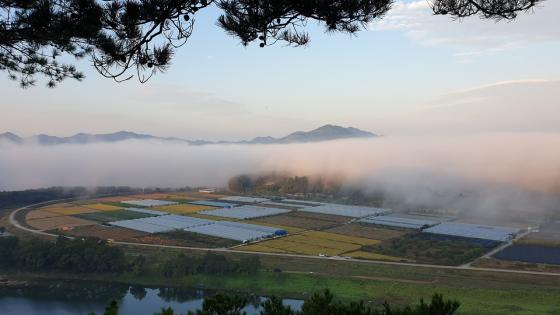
(484, 172)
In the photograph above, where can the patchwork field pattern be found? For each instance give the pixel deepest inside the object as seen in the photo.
(110, 216)
(102, 207)
(183, 208)
(58, 222)
(315, 243)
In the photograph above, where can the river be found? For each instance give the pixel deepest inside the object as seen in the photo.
(76, 298)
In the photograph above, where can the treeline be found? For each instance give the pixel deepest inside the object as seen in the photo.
(74, 256)
(319, 304)
(11, 199)
(281, 184)
(212, 263)
(92, 255)
(318, 188)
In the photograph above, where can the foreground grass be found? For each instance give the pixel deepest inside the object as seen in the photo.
(474, 300)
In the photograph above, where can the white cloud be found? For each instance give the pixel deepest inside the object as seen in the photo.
(472, 36)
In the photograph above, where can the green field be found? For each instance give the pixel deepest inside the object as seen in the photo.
(110, 216)
(421, 249)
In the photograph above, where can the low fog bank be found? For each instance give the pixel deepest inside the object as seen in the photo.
(480, 172)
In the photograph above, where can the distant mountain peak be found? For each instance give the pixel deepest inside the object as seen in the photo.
(323, 133)
(10, 137)
(326, 133)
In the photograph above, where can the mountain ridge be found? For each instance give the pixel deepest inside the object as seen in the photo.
(323, 133)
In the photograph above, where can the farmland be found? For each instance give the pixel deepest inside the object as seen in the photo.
(309, 234)
(367, 231)
(429, 250)
(315, 233)
(69, 210)
(59, 222)
(305, 220)
(105, 232)
(315, 243)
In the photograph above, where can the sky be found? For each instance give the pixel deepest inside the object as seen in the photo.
(409, 73)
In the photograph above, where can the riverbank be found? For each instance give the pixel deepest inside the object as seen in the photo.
(509, 300)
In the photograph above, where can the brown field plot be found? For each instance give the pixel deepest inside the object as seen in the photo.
(183, 208)
(58, 222)
(106, 232)
(304, 220)
(40, 214)
(366, 231)
(313, 243)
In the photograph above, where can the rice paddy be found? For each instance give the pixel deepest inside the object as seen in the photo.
(314, 243)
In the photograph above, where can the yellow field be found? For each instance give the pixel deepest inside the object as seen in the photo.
(314, 243)
(69, 210)
(102, 207)
(183, 208)
(371, 256)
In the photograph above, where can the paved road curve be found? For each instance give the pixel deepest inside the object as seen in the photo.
(16, 224)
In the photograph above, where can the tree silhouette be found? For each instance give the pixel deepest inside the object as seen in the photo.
(127, 38)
